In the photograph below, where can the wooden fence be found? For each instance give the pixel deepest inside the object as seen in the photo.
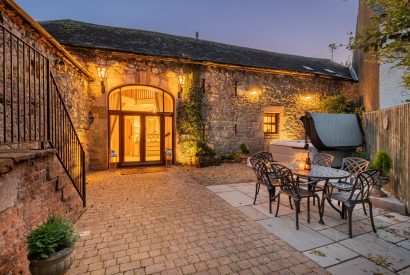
(389, 130)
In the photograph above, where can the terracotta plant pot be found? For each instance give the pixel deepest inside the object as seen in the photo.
(377, 190)
(56, 264)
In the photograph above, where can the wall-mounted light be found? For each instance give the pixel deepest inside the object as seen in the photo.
(307, 98)
(102, 74)
(181, 82)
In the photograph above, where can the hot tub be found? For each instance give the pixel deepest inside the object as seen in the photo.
(284, 150)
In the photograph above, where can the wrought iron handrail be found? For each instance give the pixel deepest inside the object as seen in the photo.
(32, 108)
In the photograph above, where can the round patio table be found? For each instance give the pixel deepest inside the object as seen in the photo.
(320, 173)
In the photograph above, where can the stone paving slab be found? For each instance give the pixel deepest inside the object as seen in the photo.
(166, 223)
(331, 254)
(302, 239)
(358, 266)
(367, 253)
(394, 257)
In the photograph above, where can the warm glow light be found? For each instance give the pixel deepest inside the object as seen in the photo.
(253, 92)
(307, 98)
(181, 79)
(102, 72)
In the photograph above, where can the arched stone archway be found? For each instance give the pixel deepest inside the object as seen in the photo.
(141, 121)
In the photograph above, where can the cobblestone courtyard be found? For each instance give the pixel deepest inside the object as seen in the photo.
(166, 223)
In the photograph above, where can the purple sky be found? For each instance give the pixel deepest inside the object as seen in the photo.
(303, 27)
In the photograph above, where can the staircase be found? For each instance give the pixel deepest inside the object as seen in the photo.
(32, 110)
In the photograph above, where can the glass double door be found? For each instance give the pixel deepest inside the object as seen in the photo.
(142, 139)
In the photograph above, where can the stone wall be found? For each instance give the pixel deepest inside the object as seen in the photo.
(289, 95)
(257, 93)
(33, 185)
(73, 84)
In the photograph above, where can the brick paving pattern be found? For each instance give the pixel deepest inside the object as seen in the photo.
(166, 223)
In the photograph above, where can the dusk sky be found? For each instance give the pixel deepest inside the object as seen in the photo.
(302, 27)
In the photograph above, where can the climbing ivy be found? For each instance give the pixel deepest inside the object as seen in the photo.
(190, 121)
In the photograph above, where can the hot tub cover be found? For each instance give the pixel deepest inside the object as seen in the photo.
(333, 131)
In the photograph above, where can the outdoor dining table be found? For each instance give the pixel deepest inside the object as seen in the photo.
(320, 173)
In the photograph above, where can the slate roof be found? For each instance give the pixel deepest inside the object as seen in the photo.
(81, 34)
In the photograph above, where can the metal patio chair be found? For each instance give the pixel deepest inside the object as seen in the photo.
(292, 188)
(359, 193)
(354, 166)
(321, 159)
(264, 156)
(269, 179)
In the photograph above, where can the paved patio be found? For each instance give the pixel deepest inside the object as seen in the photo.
(165, 223)
(328, 244)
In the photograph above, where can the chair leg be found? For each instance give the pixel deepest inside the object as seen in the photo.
(318, 206)
(277, 205)
(364, 209)
(349, 217)
(257, 186)
(308, 208)
(371, 216)
(290, 203)
(321, 209)
(314, 198)
(297, 206)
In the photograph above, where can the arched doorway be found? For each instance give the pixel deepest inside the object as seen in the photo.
(141, 124)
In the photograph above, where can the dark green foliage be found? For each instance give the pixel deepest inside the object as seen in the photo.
(244, 149)
(361, 154)
(383, 162)
(203, 150)
(190, 111)
(230, 157)
(50, 237)
(337, 104)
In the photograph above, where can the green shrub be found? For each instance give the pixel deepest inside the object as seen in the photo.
(337, 104)
(52, 236)
(230, 157)
(244, 149)
(204, 150)
(383, 162)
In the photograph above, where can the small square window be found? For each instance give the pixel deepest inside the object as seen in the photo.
(270, 124)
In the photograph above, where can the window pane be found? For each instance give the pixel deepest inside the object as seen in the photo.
(114, 135)
(114, 100)
(168, 103)
(141, 99)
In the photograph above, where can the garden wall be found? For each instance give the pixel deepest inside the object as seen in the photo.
(33, 185)
(389, 130)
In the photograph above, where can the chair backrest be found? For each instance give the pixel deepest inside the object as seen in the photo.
(363, 185)
(354, 165)
(287, 182)
(323, 159)
(264, 156)
(259, 167)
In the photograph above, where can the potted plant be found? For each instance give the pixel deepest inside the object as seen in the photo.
(50, 247)
(205, 156)
(382, 162)
(245, 152)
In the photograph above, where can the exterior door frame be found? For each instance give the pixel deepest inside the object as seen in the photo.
(121, 115)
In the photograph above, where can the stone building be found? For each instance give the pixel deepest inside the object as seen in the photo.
(248, 96)
(75, 92)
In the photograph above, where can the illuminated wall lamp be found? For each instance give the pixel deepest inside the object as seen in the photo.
(181, 82)
(102, 74)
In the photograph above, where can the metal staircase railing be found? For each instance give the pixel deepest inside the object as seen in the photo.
(32, 108)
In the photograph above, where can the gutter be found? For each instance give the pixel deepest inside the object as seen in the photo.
(16, 8)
